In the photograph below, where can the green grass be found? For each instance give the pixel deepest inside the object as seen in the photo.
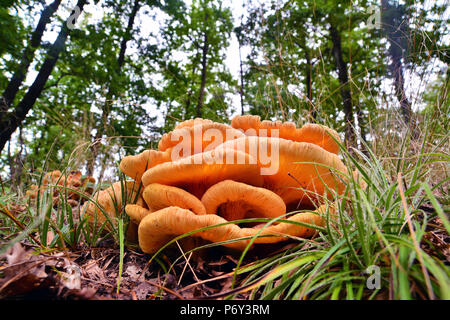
(70, 228)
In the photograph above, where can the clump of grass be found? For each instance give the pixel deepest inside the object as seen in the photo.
(57, 225)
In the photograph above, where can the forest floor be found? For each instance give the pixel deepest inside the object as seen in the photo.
(30, 273)
(93, 273)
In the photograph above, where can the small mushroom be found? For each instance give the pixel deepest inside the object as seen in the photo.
(111, 201)
(52, 178)
(192, 122)
(158, 196)
(235, 200)
(74, 183)
(313, 133)
(135, 166)
(199, 172)
(158, 228)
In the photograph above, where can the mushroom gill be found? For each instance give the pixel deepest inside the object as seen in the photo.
(158, 196)
(235, 200)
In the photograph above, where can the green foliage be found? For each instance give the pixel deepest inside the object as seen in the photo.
(292, 73)
(195, 40)
(12, 33)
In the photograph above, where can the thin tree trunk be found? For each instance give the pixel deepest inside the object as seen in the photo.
(201, 96)
(399, 84)
(341, 66)
(95, 147)
(362, 128)
(308, 77)
(391, 22)
(190, 91)
(27, 57)
(308, 84)
(13, 119)
(16, 163)
(241, 73)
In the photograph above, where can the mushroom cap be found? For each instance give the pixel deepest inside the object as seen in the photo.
(235, 200)
(158, 228)
(312, 133)
(135, 166)
(199, 172)
(192, 122)
(197, 138)
(109, 199)
(74, 182)
(52, 178)
(158, 196)
(136, 212)
(74, 179)
(292, 166)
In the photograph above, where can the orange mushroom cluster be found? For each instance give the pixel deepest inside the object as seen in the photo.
(75, 183)
(206, 175)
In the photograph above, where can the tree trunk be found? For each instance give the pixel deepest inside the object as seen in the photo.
(241, 88)
(346, 95)
(308, 84)
(27, 57)
(241, 70)
(95, 147)
(392, 22)
(16, 163)
(201, 95)
(11, 120)
(308, 76)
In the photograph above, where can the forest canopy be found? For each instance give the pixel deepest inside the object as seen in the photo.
(85, 83)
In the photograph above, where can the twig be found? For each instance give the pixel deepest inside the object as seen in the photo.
(187, 263)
